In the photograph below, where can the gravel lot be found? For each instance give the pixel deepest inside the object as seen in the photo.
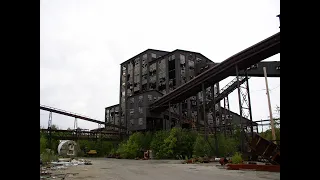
(121, 169)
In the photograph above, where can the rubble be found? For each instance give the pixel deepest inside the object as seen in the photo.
(46, 172)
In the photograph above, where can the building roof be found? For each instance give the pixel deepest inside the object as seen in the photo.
(177, 50)
(143, 52)
(233, 113)
(167, 54)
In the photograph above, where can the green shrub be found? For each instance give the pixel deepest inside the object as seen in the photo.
(43, 144)
(157, 142)
(185, 142)
(103, 148)
(167, 149)
(202, 148)
(48, 156)
(226, 145)
(236, 158)
(268, 134)
(80, 154)
(132, 148)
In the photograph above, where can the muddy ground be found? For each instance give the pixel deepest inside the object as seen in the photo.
(121, 169)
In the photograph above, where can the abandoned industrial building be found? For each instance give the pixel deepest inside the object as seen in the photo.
(152, 74)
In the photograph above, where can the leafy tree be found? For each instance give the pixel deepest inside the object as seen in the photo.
(132, 147)
(202, 148)
(227, 145)
(185, 142)
(158, 141)
(43, 144)
(167, 148)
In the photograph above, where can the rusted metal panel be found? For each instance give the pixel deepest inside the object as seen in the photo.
(265, 148)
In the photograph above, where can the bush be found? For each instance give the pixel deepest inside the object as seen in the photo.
(236, 158)
(178, 144)
(185, 142)
(132, 148)
(226, 145)
(103, 148)
(43, 144)
(268, 134)
(48, 156)
(157, 142)
(202, 148)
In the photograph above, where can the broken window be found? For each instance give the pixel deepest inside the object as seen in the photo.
(140, 99)
(194, 115)
(131, 112)
(172, 74)
(116, 115)
(153, 56)
(172, 57)
(140, 121)
(136, 79)
(144, 72)
(144, 87)
(193, 101)
(162, 76)
(216, 89)
(208, 94)
(122, 119)
(107, 115)
(152, 76)
(183, 69)
(132, 100)
(112, 116)
(200, 97)
(130, 79)
(131, 122)
(123, 90)
(191, 68)
(140, 110)
(149, 97)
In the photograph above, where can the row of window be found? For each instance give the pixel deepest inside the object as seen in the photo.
(140, 122)
(141, 99)
(132, 111)
(133, 83)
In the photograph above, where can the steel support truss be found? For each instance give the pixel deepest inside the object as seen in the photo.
(227, 117)
(245, 108)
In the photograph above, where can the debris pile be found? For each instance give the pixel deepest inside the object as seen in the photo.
(47, 172)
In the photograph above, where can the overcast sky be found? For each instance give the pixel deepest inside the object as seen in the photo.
(83, 42)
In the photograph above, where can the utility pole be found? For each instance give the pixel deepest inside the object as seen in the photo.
(269, 103)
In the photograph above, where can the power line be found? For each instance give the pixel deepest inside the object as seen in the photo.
(265, 89)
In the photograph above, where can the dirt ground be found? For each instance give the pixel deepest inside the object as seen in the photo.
(121, 169)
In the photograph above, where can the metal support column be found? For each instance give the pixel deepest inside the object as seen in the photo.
(240, 108)
(75, 127)
(170, 122)
(244, 105)
(204, 111)
(227, 114)
(75, 124)
(249, 103)
(215, 118)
